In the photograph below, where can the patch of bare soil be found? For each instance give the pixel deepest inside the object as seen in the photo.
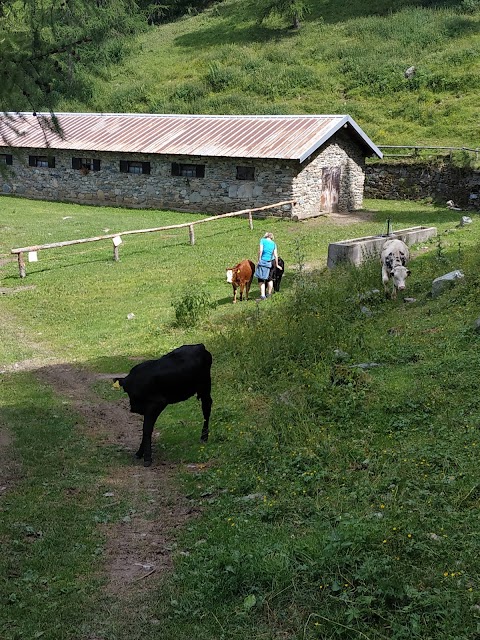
(138, 549)
(6, 291)
(348, 218)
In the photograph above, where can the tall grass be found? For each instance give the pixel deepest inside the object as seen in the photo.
(344, 504)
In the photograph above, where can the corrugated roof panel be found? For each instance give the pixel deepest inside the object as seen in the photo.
(282, 137)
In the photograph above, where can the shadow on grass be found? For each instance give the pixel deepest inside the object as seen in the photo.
(331, 12)
(436, 215)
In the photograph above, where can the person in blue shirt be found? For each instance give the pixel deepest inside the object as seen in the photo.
(267, 258)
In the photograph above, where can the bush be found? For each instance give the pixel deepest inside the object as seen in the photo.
(470, 6)
(191, 307)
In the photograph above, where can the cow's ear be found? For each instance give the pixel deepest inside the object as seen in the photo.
(392, 273)
(408, 272)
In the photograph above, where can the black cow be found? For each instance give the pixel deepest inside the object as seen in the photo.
(276, 274)
(176, 376)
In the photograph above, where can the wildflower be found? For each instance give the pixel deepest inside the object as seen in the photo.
(409, 535)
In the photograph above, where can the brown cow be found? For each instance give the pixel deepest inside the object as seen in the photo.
(240, 277)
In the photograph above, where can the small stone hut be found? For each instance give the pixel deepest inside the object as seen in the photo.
(198, 163)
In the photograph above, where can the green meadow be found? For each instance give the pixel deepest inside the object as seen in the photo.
(333, 501)
(348, 58)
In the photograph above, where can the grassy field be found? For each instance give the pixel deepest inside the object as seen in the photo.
(333, 501)
(349, 59)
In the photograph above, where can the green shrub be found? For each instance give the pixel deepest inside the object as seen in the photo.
(220, 77)
(191, 307)
(470, 6)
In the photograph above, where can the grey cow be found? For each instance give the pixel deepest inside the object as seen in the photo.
(394, 258)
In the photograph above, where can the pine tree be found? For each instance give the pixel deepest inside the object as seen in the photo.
(48, 48)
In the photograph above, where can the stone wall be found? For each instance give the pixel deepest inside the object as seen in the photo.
(339, 152)
(218, 192)
(416, 181)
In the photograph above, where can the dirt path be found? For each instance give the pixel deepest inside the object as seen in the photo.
(139, 549)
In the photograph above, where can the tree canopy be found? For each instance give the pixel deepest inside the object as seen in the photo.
(292, 10)
(49, 48)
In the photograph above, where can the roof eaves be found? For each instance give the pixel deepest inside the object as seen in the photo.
(334, 127)
(340, 122)
(365, 138)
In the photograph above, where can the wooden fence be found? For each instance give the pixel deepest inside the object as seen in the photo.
(414, 150)
(117, 241)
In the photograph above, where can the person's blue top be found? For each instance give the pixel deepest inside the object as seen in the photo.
(268, 247)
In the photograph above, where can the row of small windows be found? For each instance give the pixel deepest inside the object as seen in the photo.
(129, 166)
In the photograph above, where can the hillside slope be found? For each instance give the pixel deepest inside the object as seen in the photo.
(345, 59)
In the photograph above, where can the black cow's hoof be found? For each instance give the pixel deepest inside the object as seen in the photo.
(147, 463)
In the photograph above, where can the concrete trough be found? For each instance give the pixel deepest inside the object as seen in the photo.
(357, 250)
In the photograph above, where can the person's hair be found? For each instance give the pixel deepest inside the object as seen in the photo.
(268, 235)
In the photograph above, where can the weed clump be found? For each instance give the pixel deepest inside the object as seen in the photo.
(191, 307)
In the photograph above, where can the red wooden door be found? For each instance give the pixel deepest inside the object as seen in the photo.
(330, 189)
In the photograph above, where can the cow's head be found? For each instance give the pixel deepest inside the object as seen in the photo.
(229, 275)
(399, 275)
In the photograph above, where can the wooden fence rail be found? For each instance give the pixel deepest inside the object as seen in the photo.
(416, 148)
(116, 237)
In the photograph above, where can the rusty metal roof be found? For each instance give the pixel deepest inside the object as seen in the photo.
(283, 137)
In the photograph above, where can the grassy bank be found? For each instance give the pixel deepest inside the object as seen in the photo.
(343, 60)
(337, 501)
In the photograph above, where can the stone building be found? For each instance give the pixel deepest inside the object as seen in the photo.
(207, 164)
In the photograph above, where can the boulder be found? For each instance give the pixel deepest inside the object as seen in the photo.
(440, 284)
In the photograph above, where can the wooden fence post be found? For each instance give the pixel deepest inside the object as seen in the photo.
(117, 241)
(250, 220)
(191, 233)
(21, 265)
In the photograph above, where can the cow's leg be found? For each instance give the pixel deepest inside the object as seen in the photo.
(242, 286)
(234, 293)
(247, 288)
(145, 449)
(385, 279)
(207, 402)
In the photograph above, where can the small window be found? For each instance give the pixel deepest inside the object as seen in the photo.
(41, 161)
(245, 173)
(87, 164)
(133, 166)
(188, 170)
(6, 158)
